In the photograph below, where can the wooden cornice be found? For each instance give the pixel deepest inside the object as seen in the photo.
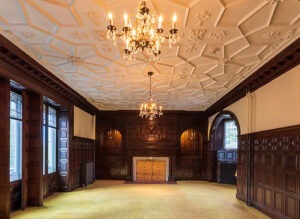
(20, 67)
(280, 64)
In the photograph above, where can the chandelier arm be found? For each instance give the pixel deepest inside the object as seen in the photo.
(119, 34)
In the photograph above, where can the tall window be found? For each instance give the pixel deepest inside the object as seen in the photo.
(49, 139)
(15, 136)
(230, 135)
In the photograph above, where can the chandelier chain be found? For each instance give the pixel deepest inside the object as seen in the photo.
(150, 86)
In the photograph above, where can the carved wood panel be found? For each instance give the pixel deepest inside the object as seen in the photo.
(112, 143)
(81, 151)
(242, 162)
(274, 184)
(50, 184)
(112, 167)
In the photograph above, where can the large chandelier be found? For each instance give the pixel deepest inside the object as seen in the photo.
(149, 109)
(142, 34)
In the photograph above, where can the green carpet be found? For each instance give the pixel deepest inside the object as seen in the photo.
(115, 199)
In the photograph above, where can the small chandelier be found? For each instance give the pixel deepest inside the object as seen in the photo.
(149, 109)
(142, 34)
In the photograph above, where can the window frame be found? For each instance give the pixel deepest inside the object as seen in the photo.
(16, 175)
(224, 134)
(46, 128)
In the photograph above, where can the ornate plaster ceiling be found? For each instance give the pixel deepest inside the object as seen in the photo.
(222, 43)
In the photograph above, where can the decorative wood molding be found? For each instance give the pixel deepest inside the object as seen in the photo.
(18, 66)
(280, 64)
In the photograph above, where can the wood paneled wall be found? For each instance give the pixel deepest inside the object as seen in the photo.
(144, 137)
(4, 149)
(15, 195)
(50, 182)
(81, 151)
(242, 168)
(269, 171)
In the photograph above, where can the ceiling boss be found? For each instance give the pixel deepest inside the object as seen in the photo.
(142, 34)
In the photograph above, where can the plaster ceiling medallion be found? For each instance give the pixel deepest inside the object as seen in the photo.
(222, 43)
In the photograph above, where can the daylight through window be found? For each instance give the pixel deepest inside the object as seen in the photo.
(49, 139)
(15, 136)
(230, 135)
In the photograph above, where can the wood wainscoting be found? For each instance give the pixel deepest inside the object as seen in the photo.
(81, 152)
(149, 169)
(268, 172)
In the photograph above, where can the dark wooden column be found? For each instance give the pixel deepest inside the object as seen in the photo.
(25, 145)
(129, 176)
(4, 148)
(35, 150)
(212, 166)
(250, 170)
(172, 168)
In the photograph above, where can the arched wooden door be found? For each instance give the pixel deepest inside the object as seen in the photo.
(191, 153)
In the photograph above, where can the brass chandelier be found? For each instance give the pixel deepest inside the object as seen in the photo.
(142, 34)
(149, 109)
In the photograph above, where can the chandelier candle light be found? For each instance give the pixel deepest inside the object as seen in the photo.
(150, 110)
(142, 34)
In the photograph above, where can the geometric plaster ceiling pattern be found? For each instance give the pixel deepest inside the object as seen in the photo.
(222, 43)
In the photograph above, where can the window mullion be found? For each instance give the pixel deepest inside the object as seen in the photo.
(46, 140)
